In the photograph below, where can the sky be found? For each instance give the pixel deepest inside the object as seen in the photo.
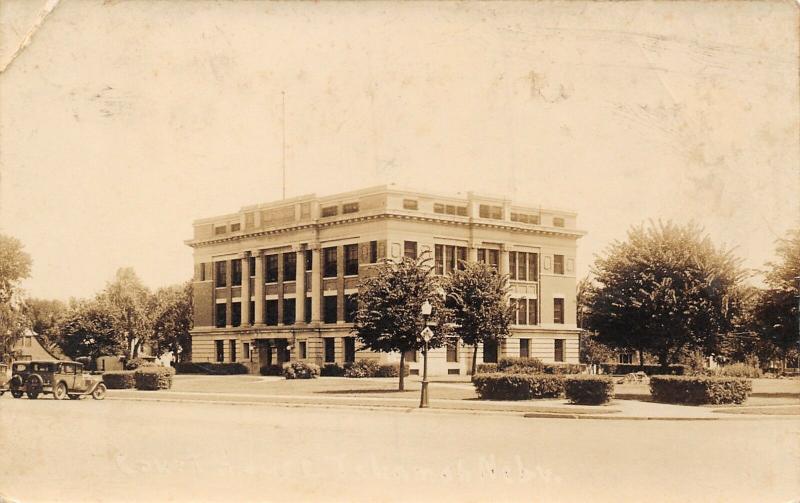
(123, 121)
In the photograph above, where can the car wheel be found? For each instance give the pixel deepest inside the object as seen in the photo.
(33, 395)
(16, 394)
(99, 392)
(60, 393)
(73, 396)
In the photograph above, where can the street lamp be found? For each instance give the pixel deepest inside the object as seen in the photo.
(426, 336)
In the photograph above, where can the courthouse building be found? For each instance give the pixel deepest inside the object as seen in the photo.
(278, 282)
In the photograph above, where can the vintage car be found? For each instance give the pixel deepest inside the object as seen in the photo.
(60, 378)
(3, 378)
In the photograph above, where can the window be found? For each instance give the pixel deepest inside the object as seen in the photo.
(329, 315)
(349, 349)
(236, 227)
(303, 350)
(350, 208)
(450, 209)
(533, 309)
(220, 229)
(483, 211)
(221, 315)
(491, 257)
(232, 345)
(452, 350)
(411, 356)
(307, 313)
(309, 259)
(350, 259)
(252, 267)
(490, 352)
(410, 204)
(271, 314)
(221, 273)
(288, 311)
(558, 350)
(558, 310)
(289, 266)
(220, 350)
(461, 256)
(625, 358)
(489, 211)
(461, 211)
(558, 264)
(330, 211)
(438, 208)
(410, 249)
(271, 272)
(350, 307)
(236, 314)
(329, 262)
(252, 313)
(558, 222)
(236, 272)
(330, 350)
(246, 350)
(524, 348)
(438, 255)
(522, 311)
(512, 265)
(373, 252)
(533, 267)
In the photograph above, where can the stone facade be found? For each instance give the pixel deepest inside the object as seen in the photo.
(278, 281)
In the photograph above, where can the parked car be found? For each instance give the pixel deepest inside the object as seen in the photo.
(62, 379)
(3, 378)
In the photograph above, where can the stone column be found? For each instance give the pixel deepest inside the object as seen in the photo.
(246, 289)
(504, 259)
(316, 283)
(472, 253)
(229, 291)
(259, 288)
(300, 286)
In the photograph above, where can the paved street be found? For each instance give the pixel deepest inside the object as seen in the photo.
(120, 450)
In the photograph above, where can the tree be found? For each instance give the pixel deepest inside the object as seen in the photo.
(478, 297)
(388, 317)
(45, 316)
(776, 310)
(15, 266)
(131, 306)
(173, 320)
(87, 329)
(667, 290)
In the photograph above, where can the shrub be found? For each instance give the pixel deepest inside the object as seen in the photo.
(361, 368)
(520, 365)
(135, 363)
(271, 370)
(300, 370)
(697, 390)
(501, 386)
(738, 370)
(563, 368)
(627, 368)
(211, 368)
(119, 379)
(390, 370)
(332, 370)
(589, 389)
(153, 377)
(486, 368)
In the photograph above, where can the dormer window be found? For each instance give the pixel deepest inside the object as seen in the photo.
(219, 229)
(350, 208)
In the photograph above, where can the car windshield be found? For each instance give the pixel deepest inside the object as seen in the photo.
(20, 367)
(42, 367)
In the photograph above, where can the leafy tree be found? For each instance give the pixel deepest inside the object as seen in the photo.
(45, 316)
(478, 297)
(776, 312)
(594, 351)
(667, 290)
(131, 307)
(390, 299)
(87, 329)
(15, 266)
(173, 320)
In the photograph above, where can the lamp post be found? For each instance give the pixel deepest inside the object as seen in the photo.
(425, 335)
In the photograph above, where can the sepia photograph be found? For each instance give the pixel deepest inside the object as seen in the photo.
(399, 251)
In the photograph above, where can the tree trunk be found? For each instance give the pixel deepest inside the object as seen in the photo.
(402, 386)
(475, 358)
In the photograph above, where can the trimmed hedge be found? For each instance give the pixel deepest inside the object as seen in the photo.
(211, 368)
(271, 370)
(119, 379)
(300, 370)
(139, 362)
(361, 368)
(153, 378)
(698, 390)
(536, 366)
(332, 370)
(486, 368)
(589, 389)
(738, 370)
(391, 370)
(625, 368)
(501, 386)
